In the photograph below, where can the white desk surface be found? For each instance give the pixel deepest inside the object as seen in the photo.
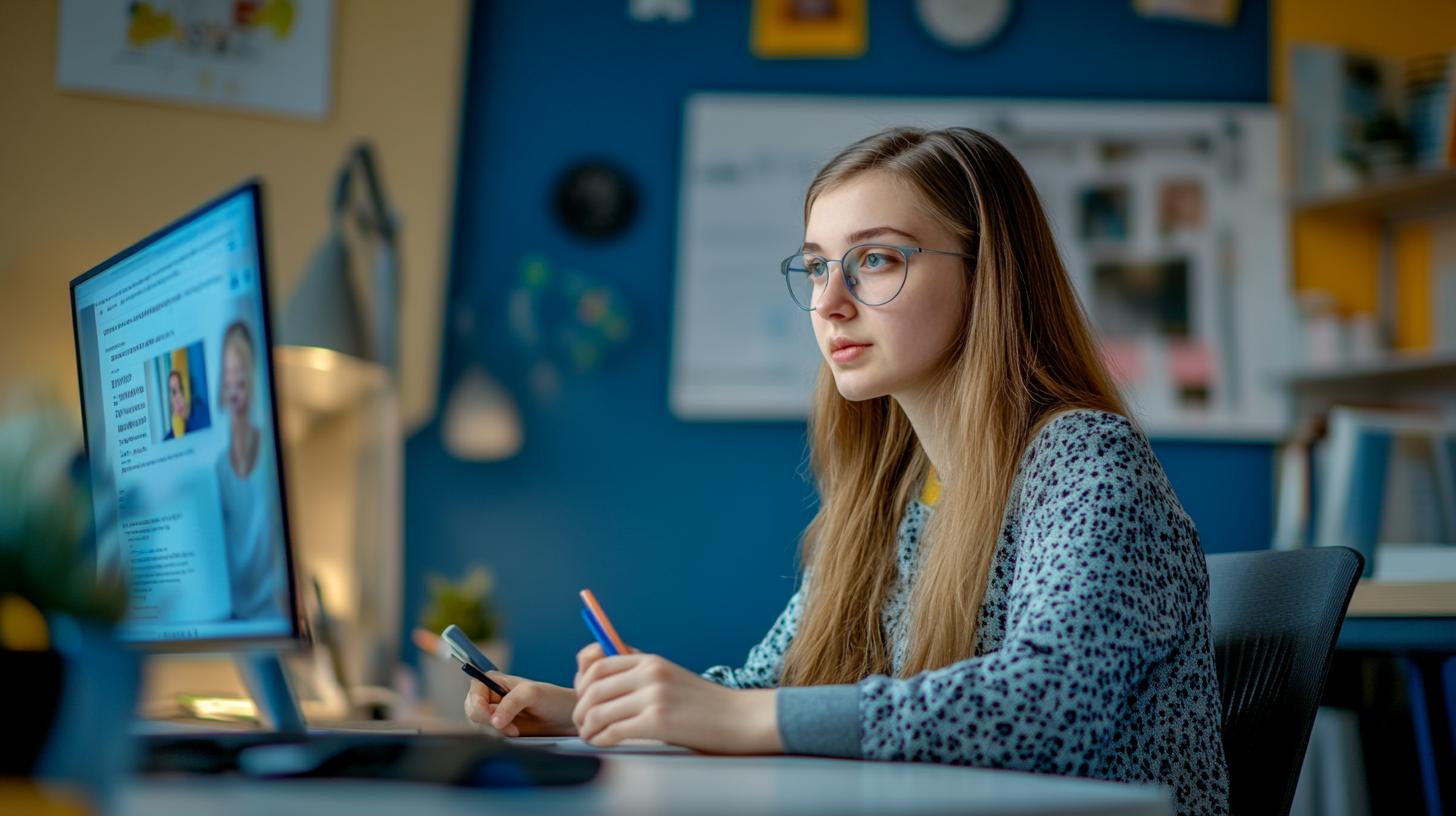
(636, 783)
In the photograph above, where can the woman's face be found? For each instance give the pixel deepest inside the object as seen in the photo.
(237, 379)
(894, 348)
(179, 400)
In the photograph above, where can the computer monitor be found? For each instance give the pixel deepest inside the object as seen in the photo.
(181, 433)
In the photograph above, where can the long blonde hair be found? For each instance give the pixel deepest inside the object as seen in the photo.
(1023, 354)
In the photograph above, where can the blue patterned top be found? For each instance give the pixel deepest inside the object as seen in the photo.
(1093, 656)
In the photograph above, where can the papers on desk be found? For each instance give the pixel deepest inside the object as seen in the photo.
(1415, 562)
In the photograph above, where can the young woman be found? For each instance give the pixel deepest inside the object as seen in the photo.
(999, 573)
(251, 522)
(180, 422)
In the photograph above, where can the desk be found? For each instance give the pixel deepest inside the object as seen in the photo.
(1401, 616)
(633, 784)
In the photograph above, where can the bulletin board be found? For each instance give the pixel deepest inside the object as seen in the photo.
(1170, 218)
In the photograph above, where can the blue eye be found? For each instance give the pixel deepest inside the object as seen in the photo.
(876, 260)
(815, 266)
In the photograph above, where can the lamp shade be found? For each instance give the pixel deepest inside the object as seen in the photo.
(482, 422)
(323, 311)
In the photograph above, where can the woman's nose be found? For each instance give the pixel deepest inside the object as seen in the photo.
(835, 299)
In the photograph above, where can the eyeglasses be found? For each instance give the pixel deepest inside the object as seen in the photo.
(873, 273)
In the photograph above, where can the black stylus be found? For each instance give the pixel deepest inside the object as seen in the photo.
(482, 677)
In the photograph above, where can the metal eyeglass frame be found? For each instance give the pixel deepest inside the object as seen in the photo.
(905, 251)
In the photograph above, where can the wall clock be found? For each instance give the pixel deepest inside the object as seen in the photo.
(963, 23)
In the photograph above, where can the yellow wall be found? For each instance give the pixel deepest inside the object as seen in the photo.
(1339, 253)
(82, 177)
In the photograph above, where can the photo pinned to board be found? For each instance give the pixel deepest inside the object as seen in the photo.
(1137, 301)
(1106, 213)
(1134, 298)
(1182, 207)
(1191, 367)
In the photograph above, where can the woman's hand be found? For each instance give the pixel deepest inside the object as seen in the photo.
(529, 708)
(643, 695)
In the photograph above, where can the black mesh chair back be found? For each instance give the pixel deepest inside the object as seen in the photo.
(1276, 616)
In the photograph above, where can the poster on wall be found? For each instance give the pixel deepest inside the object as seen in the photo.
(262, 56)
(1169, 218)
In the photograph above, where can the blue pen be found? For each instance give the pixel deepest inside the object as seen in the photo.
(596, 630)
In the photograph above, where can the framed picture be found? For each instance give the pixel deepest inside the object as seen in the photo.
(809, 28)
(263, 56)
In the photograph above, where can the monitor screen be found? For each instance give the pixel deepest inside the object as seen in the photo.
(181, 436)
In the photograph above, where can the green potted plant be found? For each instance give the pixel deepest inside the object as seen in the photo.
(58, 652)
(468, 603)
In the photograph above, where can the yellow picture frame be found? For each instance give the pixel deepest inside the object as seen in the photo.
(797, 29)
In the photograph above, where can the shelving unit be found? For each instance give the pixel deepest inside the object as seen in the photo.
(1391, 203)
(1427, 378)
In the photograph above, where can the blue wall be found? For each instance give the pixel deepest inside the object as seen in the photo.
(687, 531)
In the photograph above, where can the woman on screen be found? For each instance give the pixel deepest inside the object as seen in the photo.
(999, 573)
(246, 478)
(189, 411)
(181, 406)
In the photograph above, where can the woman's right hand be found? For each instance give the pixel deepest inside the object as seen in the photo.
(529, 708)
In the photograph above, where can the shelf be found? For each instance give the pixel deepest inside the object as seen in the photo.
(1425, 193)
(1425, 364)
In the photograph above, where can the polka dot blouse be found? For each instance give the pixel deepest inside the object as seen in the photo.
(1093, 655)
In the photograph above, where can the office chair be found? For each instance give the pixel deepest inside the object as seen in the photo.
(1275, 618)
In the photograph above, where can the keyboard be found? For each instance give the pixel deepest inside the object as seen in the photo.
(471, 760)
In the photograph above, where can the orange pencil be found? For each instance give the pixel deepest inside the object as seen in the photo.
(597, 612)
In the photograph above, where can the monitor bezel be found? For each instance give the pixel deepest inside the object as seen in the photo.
(296, 632)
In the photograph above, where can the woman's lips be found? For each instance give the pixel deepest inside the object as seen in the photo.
(845, 354)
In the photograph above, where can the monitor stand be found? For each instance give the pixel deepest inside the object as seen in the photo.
(267, 682)
(279, 713)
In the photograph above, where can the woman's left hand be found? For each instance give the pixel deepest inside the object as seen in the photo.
(646, 696)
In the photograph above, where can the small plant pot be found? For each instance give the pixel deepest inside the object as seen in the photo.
(89, 747)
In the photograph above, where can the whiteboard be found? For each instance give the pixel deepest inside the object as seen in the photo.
(743, 351)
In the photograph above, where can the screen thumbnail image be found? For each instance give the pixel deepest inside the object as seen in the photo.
(179, 379)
